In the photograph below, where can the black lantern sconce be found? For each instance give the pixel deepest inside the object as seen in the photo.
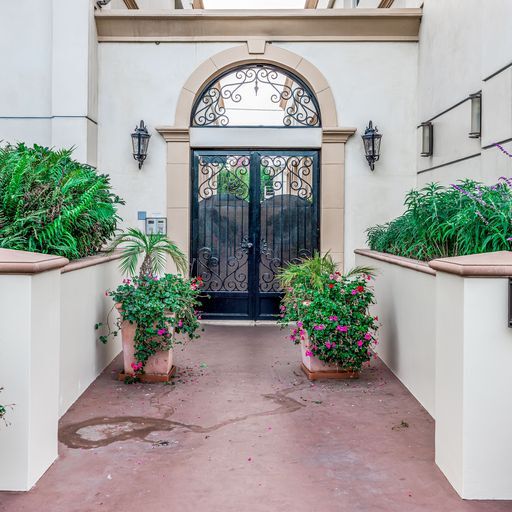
(140, 141)
(427, 139)
(476, 115)
(371, 141)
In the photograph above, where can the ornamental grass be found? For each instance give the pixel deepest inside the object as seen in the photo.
(466, 217)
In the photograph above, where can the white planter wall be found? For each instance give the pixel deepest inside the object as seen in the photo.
(49, 352)
(82, 356)
(445, 335)
(406, 310)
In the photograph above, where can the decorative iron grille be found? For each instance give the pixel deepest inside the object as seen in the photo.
(236, 91)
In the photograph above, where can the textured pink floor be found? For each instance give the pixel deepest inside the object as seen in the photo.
(243, 430)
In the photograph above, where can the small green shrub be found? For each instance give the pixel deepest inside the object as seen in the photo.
(465, 218)
(330, 311)
(50, 203)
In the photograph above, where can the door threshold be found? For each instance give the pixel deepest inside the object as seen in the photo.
(240, 323)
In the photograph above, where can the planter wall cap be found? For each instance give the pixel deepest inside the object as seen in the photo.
(490, 264)
(24, 262)
(90, 261)
(417, 265)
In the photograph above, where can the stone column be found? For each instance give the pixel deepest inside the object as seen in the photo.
(178, 187)
(332, 191)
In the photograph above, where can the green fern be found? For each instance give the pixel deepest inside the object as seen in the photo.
(51, 203)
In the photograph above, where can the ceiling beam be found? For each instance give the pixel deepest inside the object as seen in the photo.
(270, 25)
(311, 4)
(198, 4)
(131, 4)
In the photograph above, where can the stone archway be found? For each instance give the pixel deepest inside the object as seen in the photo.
(334, 137)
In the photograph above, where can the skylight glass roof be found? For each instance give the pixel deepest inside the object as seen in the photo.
(254, 4)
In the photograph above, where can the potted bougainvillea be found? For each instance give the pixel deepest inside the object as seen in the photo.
(329, 313)
(156, 311)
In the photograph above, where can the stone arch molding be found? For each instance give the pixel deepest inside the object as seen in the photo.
(267, 54)
(334, 137)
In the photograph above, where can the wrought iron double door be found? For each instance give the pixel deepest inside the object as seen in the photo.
(253, 212)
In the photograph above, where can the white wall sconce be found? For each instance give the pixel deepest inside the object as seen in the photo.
(427, 139)
(476, 115)
(140, 142)
(371, 141)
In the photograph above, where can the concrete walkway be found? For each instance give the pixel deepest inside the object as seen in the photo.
(243, 430)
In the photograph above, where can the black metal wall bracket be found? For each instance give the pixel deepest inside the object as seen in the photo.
(510, 302)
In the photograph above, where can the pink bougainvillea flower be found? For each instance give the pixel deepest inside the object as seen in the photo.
(180, 323)
(353, 292)
(300, 325)
(328, 344)
(282, 308)
(342, 328)
(292, 337)
(360, 343)
(309, 353)
(368, 278)
(319, 327)
(162, 332)
(333, 318)
(331, 276)
(376, 318)
(367, 336)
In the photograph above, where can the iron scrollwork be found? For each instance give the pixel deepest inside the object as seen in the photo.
(299, 104)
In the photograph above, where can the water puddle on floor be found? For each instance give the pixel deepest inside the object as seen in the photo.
(98, 432)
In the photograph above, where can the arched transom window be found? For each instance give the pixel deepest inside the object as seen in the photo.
(256, 95)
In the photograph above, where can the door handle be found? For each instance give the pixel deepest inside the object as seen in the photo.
(245, 244)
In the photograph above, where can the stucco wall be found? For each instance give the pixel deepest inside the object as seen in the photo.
(406, 307)
(84, 304)
(50, 353)
(462, 43)
(473, 412)
(143, 81)
(48, 92)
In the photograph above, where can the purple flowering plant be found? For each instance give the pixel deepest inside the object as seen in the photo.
(466, 217)
(330, 311)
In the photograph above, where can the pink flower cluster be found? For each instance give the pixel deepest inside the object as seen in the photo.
(358, 289)
(137, 367)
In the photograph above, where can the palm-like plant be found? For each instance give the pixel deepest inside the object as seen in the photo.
(154, 248)
(312, 271)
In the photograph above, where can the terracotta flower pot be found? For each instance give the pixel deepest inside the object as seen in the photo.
(159, 365)
(314, 368)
